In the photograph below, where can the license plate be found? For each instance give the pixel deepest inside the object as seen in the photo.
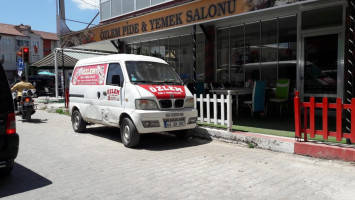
(174, 124)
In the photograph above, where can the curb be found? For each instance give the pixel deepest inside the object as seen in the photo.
(279, 144)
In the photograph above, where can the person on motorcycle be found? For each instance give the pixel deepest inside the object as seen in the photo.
(19, 87)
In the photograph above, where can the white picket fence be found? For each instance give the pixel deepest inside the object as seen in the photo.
(220, 106)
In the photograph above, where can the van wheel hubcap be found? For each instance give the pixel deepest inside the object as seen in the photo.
(126, 133)
(76, 121)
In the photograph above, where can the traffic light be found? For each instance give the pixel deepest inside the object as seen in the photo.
(25, 54)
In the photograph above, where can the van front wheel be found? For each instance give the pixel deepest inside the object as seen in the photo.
(79, 125)
(129, 134)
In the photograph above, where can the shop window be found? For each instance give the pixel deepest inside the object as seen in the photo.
(145, 48)
(288, 38)
(127, 6)
(269, 52)
(237, 56)
(288, 70)
(163, 48)
(116, 7)
(252, 50)
(223, 55)
(252, 42)
(320, 64)
(105, 10)
(142, 4)
(134, 49)
(128, 48)
(173, 53)
(323, 17)
(200, 57)
(288, 49)
(157, 1)
(154, 48)
(186, 64)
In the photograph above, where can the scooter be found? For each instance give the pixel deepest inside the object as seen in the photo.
(27, 107)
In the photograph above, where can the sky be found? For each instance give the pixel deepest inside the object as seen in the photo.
(41, 14)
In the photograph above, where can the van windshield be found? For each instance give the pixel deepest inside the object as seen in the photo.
(152, 73)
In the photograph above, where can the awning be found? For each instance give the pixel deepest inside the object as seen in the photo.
(70, 58)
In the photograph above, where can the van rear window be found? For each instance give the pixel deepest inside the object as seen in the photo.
(90, 75)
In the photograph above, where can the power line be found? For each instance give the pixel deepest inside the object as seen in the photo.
(89, 4)
(80, 22)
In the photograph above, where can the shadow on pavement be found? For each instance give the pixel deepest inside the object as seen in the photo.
(21, 180)
(152, 141)
(35, 121)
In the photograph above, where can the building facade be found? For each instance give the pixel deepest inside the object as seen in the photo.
(234, 41)
(12, 37)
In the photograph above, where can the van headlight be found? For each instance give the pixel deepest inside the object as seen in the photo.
(189, 103)
(146, 104)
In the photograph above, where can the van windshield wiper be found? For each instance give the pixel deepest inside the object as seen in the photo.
(137, 82)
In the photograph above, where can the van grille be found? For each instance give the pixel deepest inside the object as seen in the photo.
(168, 103)
(179, 103)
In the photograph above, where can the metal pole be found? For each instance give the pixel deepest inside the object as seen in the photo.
(56, 72)
(63, 81)
(194, 58)
(350, 66)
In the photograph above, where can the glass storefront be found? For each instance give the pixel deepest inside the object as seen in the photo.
(262, 50)
(177, 51)
(265, 49)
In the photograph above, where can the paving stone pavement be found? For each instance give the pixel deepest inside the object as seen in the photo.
(54, 162)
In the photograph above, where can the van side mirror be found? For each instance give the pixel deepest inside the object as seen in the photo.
(116, 80)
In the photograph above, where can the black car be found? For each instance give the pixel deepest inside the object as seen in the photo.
(9, 139)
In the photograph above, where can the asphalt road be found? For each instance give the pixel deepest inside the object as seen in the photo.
(56, 163)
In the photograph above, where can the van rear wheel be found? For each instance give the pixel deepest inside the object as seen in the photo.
(79, 125)
(129, 134)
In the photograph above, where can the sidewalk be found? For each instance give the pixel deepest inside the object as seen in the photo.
(268, 142)
(281, 144)
(50, 104)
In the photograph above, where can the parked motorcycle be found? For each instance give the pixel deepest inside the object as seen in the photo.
(27, 107)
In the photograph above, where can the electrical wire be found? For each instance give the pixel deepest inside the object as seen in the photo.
(89, 4)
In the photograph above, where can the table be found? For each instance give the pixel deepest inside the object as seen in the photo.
(233, 91)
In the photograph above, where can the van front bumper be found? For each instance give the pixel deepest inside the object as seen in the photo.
(148, 121)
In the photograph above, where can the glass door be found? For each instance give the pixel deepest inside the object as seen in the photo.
(320, 65)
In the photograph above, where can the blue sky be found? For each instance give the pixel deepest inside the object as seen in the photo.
(41, 14)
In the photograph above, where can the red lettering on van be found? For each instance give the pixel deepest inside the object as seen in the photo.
(89, 75)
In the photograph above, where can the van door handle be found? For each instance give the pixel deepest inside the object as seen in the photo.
(104, 93)
(98, 95)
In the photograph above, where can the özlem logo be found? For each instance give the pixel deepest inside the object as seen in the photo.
(166, 91)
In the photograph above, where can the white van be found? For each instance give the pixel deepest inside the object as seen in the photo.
(138, 94)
